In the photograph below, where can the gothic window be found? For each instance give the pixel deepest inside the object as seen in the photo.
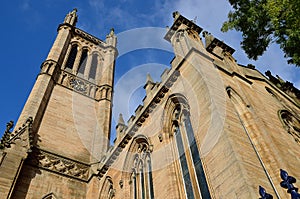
(111, 192)
(83, 60)
(196, 157)
(72, 56)
(141, 176)
(291, 124)
(187, 149)
(93, 70)
(149, 177)
(107, 191)
(134, 186)
(183, 163)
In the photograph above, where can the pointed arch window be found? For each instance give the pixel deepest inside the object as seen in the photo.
(191, 167)
(93, 70)
(107, 191)
(141, 177)
(149, 176)
(83, 61)
(134, 185)
(291, 124)
(201, 179)
(72, 56)
(183, 163)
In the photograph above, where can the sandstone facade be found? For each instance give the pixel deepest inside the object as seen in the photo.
(210, 129)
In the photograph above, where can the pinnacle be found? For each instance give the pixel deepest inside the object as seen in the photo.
(121, 120)
(149, 78)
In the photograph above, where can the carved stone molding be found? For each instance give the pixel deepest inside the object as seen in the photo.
(59, 164)
(84, 87)
(50, 67)
(89, 37)
(22, 136)
(291, 123)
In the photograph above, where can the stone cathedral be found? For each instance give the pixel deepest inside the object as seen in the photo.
(210, 129)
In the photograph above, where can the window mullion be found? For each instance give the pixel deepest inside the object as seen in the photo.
(183, 164)
(196, 160)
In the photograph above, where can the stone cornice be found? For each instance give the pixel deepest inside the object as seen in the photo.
(89, 37)
(181, 20)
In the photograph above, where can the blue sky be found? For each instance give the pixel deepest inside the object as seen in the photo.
(29, 29)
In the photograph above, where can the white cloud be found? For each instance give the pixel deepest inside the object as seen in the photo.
(129, 83)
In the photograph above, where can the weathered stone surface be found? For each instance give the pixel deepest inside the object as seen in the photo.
(234, 113)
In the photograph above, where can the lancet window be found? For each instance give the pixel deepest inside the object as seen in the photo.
(141, 176)
(107, 190)
(190, 166)
(92, 74)
(83, 61)
(72, 56)
(291, 124)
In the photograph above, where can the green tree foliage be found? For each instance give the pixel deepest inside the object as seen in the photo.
(264, 21)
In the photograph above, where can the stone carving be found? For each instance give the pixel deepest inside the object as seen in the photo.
(292, 124)
(6, 136)
(285, 86)
(208, 38)
(71, 17)
(55, 163)
(50, 67)
(112, 32)
(212, 44)
(84, 87)
(10, 138)
(176, 14)
(89, 37)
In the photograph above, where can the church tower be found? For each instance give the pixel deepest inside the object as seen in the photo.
(64, 128)
(211, 128)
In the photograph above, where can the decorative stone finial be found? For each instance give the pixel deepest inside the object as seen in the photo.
(176, 14)
(149, 83)
(9, 126)
(120, 128)
(7, 135)
(111, 33)
(71, 17)
(208, 38)
(111, 38)
(121, 120)
(149, 78)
